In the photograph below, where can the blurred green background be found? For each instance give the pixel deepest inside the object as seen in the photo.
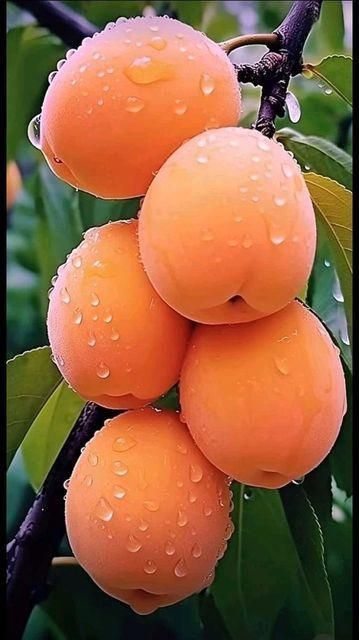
(46, 223)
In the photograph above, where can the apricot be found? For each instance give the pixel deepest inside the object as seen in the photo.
(113, 338)
(227, 228)
(13, 183)
(147, 515)
(264, 400)
(127, 98)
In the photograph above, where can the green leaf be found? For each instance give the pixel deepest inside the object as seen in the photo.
(341, 458)
(95, 212)
(336, 72)
(323, 157)
(332, 26)
(333, 208)
(31, 54)
(253, 579)
(31, 380)
(169, 400)
(49, 432)
(308, 539)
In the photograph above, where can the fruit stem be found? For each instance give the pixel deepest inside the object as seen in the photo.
(268, 39)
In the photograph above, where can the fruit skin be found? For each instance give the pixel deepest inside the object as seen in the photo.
(13, 183)
(113, 338)
(152, 523)
(128, 97)
(227, 228)
(265, 400)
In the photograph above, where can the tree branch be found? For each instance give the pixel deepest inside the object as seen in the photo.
(65, 23)
(284, 60)
(30, 553)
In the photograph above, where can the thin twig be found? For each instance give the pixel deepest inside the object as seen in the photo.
(268, 39)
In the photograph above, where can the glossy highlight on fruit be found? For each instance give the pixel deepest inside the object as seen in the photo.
(113, 338)
(147, 515)
(108, 105)
(227, 228)
(264, 400)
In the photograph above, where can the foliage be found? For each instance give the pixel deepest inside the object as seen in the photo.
(287, 569)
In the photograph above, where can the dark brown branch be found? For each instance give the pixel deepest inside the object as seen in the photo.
(284, 60)
(65, 23)
(30, 553)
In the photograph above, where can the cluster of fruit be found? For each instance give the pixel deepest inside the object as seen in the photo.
(200, 290)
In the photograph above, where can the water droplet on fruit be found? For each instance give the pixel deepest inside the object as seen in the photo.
(124, 443)
(91, 339)
(133, 545)
(87, 481)
(102, 370)
(279, 201)
(247, 241)
(119, 468)
(263, 145)
(100, 102)
(196, 550)
(51, 76)
(191, 497)
(282, 365)
(33, 131)
(170, 549)
(145, 70)
(77, 316)
(143, 526)
(207, 84)
(207, 511)
(229, 530)
(196, 473)
(93, 459)
(151, 505)
(107, 318)
(119, 492)
(77, 261)
(70, 53)
(134, 105)
(180, 107)
(150, 567)
(180, 569)
(181, 448)
(104, 510)
(158, 43)
(66, 484)
(299, 480)
(182, 518)
(202, 159)
(287, 171)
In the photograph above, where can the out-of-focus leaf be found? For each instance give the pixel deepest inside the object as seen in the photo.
(332, 26)
(31, 54)
(220, 25)
(323, 157)
(31, 380)
(318, 488)
(341, 459)
(190, 12)
(336, 72)
(19, 495)
(49, 431)
(333, 206)
(95, 212)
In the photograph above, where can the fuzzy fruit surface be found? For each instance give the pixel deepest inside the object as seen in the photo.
(128, 97)
(113, 338)
(227, 228)
(264, 400)
(147, 515)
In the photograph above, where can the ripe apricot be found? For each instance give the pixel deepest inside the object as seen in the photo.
(128, 97)
(147, 515)
(227, 228)
(264, 400)
(13, 183)
(113, 338)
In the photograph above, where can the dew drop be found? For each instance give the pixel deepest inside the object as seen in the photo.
(70, 53)
(181, 448)
(133, 545)
(196, 473)
(96, 55)
(93, 459)
(119, 468)
(207, 511)
(119, 492)
(104, 510)
(102, 370)
(180, 569)
(134, 105)
(87, 481)
(151, 505)
(60, 361)
(33, 131)
(170, 549)
(263, 145)
(276, 236)
(158, 43)
(91, 339)
(95, 300)
(100, 102)
(179, 484)
(180, 107)
(83, 68)
(344, 336)
(247, 241)
(150, 567)
(105, 88)
(107, 318)
(77, 316)
(114, 335)
(279, 201)
(229, 530)
(124, 443)
(336, 291)
(196, 550)
(207, 84)
(66, 484)
(248, 494)
(110, 69)
(182, 518)
(326, 264)
(287, 171)
(243, 189)
(145, 70)
(299, 480)
(143, 526)
(328, 91)
(191, 497)
(282, 365)
(255, 198)
(60, 64)
(256, 159)
(77, 261)
(51, 76)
